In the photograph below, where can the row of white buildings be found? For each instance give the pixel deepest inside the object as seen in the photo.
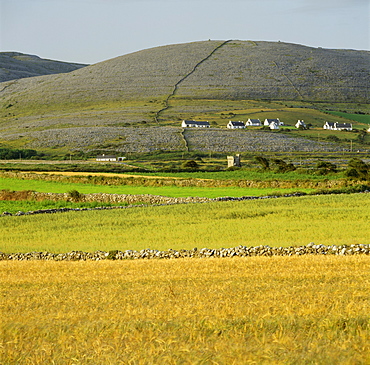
(271, 123)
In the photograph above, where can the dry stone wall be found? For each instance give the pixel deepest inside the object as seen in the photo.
(204, 253)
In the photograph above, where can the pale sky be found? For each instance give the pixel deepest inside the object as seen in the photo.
(90, 31)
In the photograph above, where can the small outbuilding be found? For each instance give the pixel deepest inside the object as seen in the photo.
(234, 161)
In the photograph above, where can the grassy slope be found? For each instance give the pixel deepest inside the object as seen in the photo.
(276, 222)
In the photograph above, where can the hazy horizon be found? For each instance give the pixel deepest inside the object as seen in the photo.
(90, 31)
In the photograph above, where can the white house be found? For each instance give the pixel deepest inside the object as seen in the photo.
(268, 122)
(235, 125)
(343, 126)
(274, 125)
(368, 130)
(109, 158)
(300, 123)
(106, 158)
(338, 126)
(253, 122)
(194, 124)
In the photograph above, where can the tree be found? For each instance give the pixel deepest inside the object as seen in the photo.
(325, 167)
(357, 169)
(282, 166)
(190, 165)
(263, 161)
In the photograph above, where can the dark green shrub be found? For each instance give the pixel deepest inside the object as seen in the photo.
(75, 195)
(190, 165)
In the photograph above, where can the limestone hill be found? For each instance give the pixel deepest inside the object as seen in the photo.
(163, 85)
(15, 65)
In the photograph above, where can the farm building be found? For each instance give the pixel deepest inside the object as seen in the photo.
(300, 123)
(253, 122)
(338, 126)
(194, 124)
(235, 125)
(234, 161)
(109, 158)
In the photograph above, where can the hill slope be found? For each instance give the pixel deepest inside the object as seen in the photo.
(165, 84)
(15, 65)
(236, 70)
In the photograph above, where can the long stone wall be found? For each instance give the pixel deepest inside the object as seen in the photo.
(239, 251)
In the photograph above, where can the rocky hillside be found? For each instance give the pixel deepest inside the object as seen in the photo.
(163, 85)
(15, 65)
(210, 69)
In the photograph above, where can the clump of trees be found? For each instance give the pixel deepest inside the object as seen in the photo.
(357, 169)
(279, 165)
(13, 154)
(325, 167)
(192, 165)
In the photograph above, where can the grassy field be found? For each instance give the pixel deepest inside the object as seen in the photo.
(291, 310)
(171, 191)
(325, 219)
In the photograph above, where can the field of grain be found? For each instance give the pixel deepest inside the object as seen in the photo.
(301, 310)
(295, 221)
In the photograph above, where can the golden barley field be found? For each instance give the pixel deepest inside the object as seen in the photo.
(256, 310)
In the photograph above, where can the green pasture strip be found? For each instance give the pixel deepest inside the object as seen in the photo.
(31, 205)
(360, 118)
(323, 219)
(170, 191)
(243, 175)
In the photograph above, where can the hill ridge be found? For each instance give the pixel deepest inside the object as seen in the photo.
(17, 65)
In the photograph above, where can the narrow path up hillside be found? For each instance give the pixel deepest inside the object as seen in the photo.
(185, 77)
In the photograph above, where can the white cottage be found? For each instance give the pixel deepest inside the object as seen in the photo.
(194, 124)
(235, 125)
(338, 126)
(268, 122)
(106, 158)
(253, 122)
(300, 123)
(274, 125)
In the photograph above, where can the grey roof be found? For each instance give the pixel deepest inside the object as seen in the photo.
(343, 125)
(196, 122)
(237, 123)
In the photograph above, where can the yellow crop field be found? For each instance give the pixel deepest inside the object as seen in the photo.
(258, 310)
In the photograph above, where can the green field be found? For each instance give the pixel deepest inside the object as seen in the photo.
(171, 191)
(359, 118)
(327, 219)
